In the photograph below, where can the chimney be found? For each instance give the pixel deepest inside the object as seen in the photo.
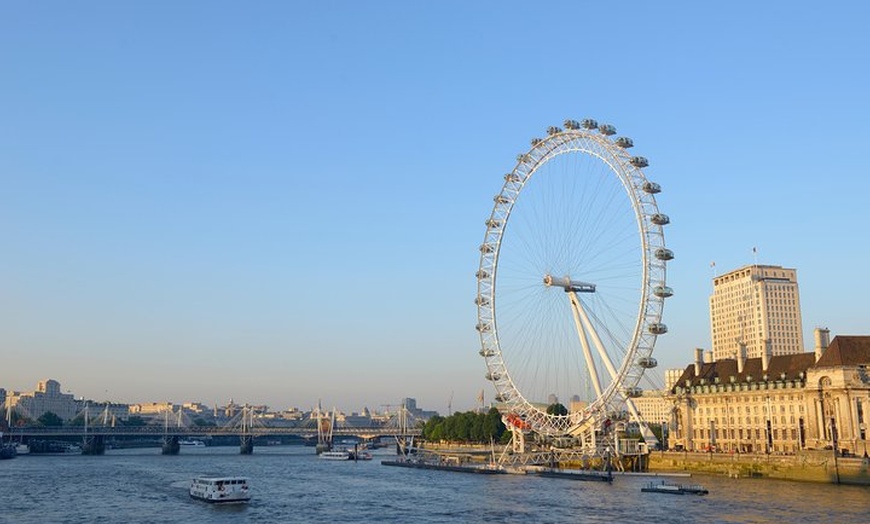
(741, 357)
(822, 340)
(708, 357)
(699, 356)
(766, 355)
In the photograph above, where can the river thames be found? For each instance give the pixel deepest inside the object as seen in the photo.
(290, 484)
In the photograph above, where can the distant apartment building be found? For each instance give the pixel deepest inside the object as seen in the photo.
(46, 398)
(356, 420)
(195, 408)
(107, 413)
(410, 405)
(149, 409)
(756, 306)
(777, 403)
(654, 407)
(671, 378)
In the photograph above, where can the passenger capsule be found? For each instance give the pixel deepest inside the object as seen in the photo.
(521, 157)
(482, 327)
(495, 224)
(500, 398)
(486, 248)
(647, 362)
(487, 353)
(588, 123)
(535, 141)
(553, 130)
(664, 254)
(652, 188)
(482, 274)
(633, 392)
(481, 301)
(660, 219)
(571, 124)
(638, 161)
(624, 142)
(607, 129)
(493, 376)
(512, 177)
(501, 199)
(658, 328)
(663, 291)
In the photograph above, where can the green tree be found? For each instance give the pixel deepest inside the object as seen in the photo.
(450, 432)
(493, 427)
(430, 427)
(437, 433)
(469, 426)
(49, 419)
(557, 409)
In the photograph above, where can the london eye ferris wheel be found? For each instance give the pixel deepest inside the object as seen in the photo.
(572, 279)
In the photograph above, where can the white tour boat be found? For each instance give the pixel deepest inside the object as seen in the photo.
(341, 454)
(195, 443)
(221, 490)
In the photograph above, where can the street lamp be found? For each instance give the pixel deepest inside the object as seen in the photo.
(769, 432)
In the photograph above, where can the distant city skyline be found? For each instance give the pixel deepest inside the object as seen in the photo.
(282, 204)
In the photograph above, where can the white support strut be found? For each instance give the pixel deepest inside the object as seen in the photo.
(581, 333)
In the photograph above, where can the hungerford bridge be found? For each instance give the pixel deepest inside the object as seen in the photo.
(245, 425)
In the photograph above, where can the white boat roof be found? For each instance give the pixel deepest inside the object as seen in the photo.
(217, 479)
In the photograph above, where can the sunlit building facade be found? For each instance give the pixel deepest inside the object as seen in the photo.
(757, 305)
(46, 398)
(776, 404)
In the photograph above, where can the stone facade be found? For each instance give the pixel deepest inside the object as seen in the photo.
(654, 407)
(776, 404)
(47, 397)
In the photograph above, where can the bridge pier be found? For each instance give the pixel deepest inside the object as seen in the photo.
(171, 445)
(246, 447)
(94, 445)
(404, 445)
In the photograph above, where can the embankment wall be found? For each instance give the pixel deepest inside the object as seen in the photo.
(806, 467)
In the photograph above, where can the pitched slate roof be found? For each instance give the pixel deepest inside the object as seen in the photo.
(846, 351)
(843, 351)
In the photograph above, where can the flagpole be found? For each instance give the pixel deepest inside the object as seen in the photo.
(713, 272)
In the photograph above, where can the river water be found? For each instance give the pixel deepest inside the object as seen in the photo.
(290, 484)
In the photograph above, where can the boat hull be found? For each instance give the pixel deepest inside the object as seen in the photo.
(588, 476)
(442, 467)
(674, 489)
(222, 502)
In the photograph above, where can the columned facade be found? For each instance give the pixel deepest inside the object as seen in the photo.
(789, 403)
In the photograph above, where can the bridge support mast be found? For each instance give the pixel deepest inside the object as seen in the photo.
(246, 444)
(170, 445)
(94, 445)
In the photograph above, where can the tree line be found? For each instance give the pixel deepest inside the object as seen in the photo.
(468, 427)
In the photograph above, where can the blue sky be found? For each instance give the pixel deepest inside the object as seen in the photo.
(282, 202)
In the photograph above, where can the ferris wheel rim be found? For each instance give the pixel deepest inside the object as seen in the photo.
(575, 139)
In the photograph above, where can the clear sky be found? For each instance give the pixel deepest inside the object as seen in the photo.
(280, 202)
